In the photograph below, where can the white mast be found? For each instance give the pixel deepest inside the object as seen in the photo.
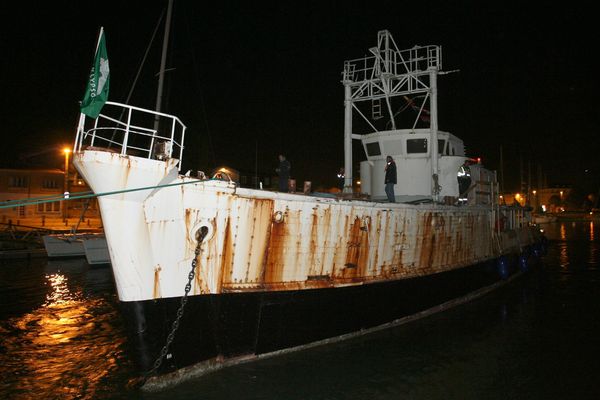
(435, 186)
(163, 62)
(347, 139)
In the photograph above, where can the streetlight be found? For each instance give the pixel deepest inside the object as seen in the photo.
(67, 152)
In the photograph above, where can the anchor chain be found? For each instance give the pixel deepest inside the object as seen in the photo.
(200, 235)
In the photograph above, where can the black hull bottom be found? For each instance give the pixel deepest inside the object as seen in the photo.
(217, 328)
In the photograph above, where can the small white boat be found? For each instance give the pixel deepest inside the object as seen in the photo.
(96, 250)
(72, 244)
(64, 245)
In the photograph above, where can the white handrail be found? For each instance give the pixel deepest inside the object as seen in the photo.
(134, 136)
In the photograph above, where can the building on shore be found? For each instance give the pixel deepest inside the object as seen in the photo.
(41, 187)
(550, 200)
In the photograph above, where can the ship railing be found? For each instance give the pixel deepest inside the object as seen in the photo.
(390, 61)
(132, 131)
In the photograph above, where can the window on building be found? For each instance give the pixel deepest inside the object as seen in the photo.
(50, 184)
(416, 146)
(17, 181)
(50, 207)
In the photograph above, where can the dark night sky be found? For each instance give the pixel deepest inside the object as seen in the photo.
(253, 79)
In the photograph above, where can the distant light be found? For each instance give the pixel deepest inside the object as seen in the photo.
(224, 170)
(358, 182)
(478, 160)
(534, 192)
(66, 150)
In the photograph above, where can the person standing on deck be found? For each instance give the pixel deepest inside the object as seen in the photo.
(284, 173)
(464, 182)
(390, 179)
(341, 178)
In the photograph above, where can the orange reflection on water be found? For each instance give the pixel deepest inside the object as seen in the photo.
(65, 347)
(563, 257)
(60, 291)
(593, 260)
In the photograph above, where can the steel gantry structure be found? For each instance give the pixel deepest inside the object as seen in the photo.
(388, 73)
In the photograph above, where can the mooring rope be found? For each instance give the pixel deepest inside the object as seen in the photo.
(83, 195)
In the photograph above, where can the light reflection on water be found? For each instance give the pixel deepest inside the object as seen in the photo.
(564, 257)
(567, 236)
(67, 346)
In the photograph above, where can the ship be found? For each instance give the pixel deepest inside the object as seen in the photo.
(210, 274)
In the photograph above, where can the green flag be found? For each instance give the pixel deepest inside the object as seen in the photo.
(96, 92)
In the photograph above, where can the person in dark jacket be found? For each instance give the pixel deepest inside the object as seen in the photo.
(390, 179)
(341, 178)
(284, 173)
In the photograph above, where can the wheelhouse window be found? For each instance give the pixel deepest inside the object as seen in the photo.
(373, 149)
(414, 146)
(441, 147)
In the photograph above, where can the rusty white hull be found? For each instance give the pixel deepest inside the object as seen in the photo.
(277, 270)
(267, 241)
